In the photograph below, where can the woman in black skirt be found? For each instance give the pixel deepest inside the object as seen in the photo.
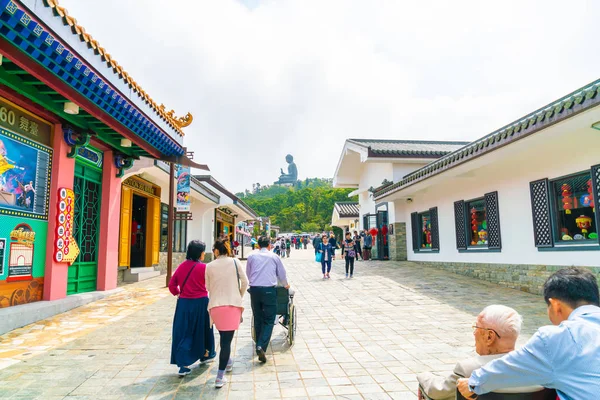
(193, 337)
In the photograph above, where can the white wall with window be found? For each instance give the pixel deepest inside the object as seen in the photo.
(529, 202)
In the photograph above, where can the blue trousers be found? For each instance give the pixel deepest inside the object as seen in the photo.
(326, 263)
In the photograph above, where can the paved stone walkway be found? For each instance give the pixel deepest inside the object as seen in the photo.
(364, 338)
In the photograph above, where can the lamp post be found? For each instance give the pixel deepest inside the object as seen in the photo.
(170, 222)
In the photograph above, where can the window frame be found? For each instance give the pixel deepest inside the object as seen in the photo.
(559, 244)
(434, 221)
(468, 225)
(465, 223)
(420, 230)
(179, 231)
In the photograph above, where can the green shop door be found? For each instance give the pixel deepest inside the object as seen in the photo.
(87, 187)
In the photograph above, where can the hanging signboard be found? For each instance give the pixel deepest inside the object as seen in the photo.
(65, 247)
(183, 188)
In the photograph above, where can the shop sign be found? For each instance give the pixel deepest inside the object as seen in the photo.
(90, 155)
(183, 188)
(221, 216)
(65, 246)
(25, 168)
(142, 186)
(21, 122)
(20, 263)
(2, 247)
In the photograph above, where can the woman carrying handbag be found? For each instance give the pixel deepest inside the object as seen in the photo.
(227, 283)
(193, 337)
(326, 253)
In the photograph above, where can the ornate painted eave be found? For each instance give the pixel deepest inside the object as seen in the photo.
(169, 116)
(33, 35)
(557, 111)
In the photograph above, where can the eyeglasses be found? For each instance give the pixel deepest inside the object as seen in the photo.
(487, 329)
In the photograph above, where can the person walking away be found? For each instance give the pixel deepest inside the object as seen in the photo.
(282, 246)
(305, 242)
(332, 240)
(565, 356)
(193, 337)
(288, 247)
(367, 245)
(226, 282)
(349, 252)
(316, 242)
(327, 255)
(356, 239)
(264, 270)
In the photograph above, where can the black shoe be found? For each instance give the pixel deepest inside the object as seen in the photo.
(261, 354)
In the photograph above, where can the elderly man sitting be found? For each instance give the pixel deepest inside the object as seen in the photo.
(496, 331)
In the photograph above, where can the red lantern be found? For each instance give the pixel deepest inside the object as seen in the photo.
(474, 219)
(384, 232)
(590, 191)
(567, 200)
(373, 232)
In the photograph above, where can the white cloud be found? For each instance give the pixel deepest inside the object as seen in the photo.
(268, 78)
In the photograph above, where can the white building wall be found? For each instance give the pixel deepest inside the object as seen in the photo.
(510, 177)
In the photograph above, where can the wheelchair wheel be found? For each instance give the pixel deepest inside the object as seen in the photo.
(292, 325)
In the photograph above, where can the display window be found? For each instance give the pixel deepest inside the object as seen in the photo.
(478, 233)
(573, 209)
(179, 232)
(425, 230)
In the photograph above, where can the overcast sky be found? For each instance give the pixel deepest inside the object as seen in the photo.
(268, 78)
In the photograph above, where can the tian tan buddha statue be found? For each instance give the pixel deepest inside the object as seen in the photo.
(292, 175)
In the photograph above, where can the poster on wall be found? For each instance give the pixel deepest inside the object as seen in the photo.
(24, 176)
(2, 247)
(183, 188)
(20, 265)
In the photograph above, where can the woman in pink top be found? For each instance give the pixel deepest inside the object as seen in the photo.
(193, 337)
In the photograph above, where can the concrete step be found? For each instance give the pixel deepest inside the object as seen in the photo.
(140, 274)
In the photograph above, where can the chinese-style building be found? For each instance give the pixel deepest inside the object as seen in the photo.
(72, 120)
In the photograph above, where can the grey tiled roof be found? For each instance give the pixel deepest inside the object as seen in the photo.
(347, 209)
(408, 148)
(559, 110)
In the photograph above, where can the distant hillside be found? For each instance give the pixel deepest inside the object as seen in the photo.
(305, 207)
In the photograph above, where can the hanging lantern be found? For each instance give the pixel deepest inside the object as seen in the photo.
(384, 232)
(373, 232)
(567, 200)
(474, 220)
(591, 194)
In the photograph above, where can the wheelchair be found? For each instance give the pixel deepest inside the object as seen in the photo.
(286, 314)
(542, 394)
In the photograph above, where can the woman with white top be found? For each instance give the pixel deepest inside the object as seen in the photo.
(226, 283)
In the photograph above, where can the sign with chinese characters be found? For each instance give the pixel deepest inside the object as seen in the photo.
(19, 121)
(20, 263)
(183, 188)
(142, 186)
(65, 247)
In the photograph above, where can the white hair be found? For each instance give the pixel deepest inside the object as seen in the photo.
(504, 320)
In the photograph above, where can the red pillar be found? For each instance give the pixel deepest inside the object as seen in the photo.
(63, 171)
(110, 213)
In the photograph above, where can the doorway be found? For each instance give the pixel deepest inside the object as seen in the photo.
(139, 212)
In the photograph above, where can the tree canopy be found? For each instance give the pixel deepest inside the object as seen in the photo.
(306, 206)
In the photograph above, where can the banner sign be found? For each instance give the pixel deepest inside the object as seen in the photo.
(65, 247)
(183, 188)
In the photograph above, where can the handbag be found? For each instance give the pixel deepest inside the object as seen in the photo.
(319, 257)
(237, 273)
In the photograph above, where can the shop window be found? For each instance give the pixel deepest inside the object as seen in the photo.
(478, 233)
(565, 210)
(179, 232)
(425, 230)
(478, 223)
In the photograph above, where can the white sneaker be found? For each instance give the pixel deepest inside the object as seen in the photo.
(229, 366)
(219, 383)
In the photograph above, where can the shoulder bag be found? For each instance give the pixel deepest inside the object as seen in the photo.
(237, 273)
(185, 280)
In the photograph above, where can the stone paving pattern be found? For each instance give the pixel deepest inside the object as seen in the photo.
(364, 338)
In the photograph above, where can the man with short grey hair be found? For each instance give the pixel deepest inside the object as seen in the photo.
(496, 330)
